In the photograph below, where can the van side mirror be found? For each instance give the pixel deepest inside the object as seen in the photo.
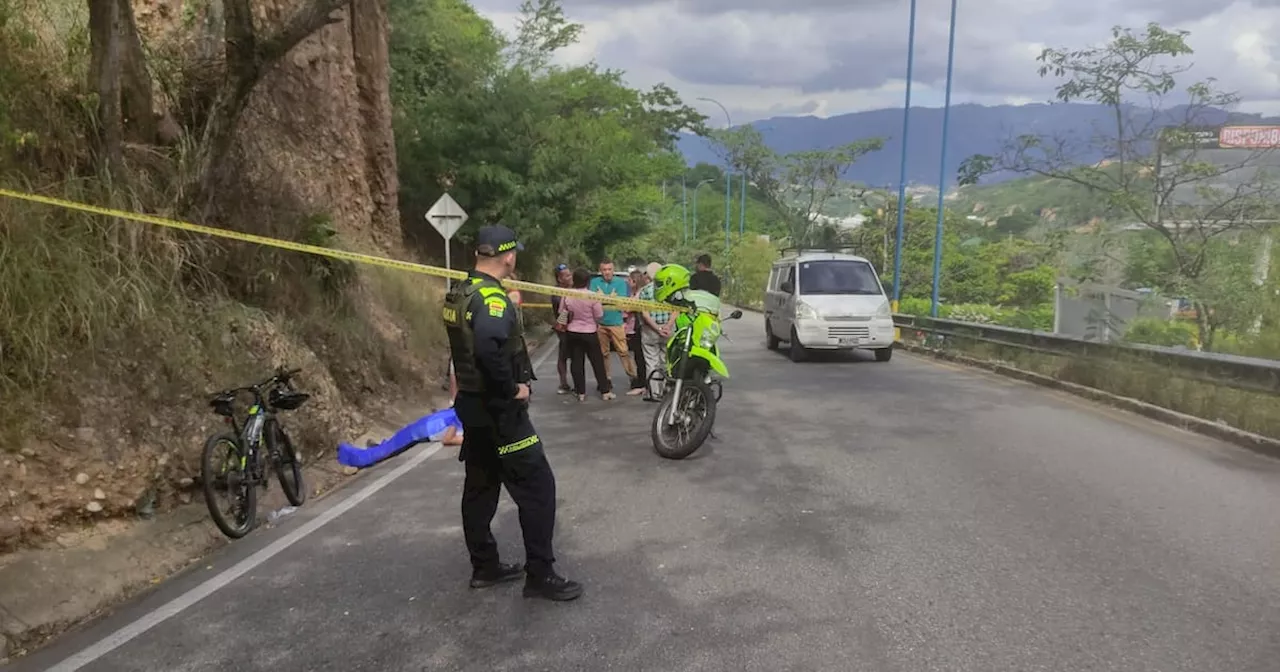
(787, 287)
(735, 314)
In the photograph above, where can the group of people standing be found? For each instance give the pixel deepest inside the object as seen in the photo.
(590, 332)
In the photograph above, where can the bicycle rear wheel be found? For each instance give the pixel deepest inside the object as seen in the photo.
(226, 473)
(288, 465)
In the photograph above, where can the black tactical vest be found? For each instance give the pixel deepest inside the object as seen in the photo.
(462, 340)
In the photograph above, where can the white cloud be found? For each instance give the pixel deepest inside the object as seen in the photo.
(765, 58)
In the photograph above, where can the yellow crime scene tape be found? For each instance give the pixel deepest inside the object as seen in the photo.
(625, 303)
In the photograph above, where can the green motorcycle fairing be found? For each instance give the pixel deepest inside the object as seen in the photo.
(714, 360)
(705, 318)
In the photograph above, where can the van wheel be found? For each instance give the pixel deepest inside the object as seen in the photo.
(797, 352)
(770, 340)
(884, 354)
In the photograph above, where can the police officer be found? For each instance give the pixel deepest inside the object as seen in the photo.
(500, 446)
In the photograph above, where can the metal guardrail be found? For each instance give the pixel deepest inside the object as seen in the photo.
(1242, 373)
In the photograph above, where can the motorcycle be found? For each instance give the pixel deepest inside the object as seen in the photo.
(686, 413)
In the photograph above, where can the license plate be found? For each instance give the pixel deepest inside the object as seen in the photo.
(850, 340)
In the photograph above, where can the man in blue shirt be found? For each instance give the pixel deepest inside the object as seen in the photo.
(612, 332)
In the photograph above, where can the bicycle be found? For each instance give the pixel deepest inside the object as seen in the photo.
(244, 467)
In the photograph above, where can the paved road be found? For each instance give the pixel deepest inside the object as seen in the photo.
(852, 516)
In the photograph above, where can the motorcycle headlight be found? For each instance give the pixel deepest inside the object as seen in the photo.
(805, 311)
(710, 334)
(885, 310)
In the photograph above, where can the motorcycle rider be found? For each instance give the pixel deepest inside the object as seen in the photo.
(672, 285)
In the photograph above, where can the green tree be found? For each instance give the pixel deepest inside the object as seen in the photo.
(1016, 224)
(1013, 272)
(571, 157)
(746, 269)
(797, 185)
(1187, 197)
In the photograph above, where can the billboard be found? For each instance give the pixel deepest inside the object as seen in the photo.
(1218, 173)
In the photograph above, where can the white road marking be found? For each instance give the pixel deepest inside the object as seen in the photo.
(177, 605)
(542, 359)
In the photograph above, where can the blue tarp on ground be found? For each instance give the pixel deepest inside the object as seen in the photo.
(427, 428)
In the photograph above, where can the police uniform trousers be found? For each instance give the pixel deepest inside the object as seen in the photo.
(500, 447)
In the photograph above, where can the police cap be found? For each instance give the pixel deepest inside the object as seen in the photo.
(497, 239)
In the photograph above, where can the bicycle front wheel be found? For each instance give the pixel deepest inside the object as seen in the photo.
(288, 465)
(224, 477)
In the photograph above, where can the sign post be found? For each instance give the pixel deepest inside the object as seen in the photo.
(447, 217)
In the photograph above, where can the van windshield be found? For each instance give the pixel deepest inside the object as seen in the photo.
(838, 277)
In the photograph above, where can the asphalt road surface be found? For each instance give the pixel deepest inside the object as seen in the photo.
(852, 515)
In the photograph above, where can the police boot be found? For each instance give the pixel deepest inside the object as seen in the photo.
(492, 576)
(552, 587)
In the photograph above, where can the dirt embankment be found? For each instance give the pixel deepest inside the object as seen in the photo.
(98, 494)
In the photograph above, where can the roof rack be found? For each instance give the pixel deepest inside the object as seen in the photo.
(846, 249)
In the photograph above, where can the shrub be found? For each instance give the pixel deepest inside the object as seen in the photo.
(747, 269)
(1037, 318)
(913, 306)
(1168, 333)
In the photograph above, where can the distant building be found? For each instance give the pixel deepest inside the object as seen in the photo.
(844, 222)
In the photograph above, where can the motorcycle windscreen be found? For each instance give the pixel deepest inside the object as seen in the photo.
(704, 300)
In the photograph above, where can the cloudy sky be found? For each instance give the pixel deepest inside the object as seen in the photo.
(763, 58)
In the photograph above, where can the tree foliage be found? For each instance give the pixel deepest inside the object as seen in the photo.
(977, 266)
(1160, 176)
(797, 185)
(569, 156)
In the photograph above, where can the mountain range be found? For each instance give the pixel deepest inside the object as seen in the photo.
(974, 129)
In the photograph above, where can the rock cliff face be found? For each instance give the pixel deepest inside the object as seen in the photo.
(321, 120)
(315, 140)
(317, 131)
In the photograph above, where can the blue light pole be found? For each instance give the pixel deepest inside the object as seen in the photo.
(942, 167)
(728, 172)
(727, 204)
(695, 208)
(684, 208)
(902, 164)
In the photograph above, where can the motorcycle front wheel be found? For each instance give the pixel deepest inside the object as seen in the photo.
(695, 416)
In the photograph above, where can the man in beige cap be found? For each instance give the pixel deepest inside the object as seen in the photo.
(655, 327)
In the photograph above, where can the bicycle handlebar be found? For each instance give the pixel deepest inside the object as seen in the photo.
(282, 375)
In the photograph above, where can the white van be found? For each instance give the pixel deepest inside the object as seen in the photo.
(827, 301)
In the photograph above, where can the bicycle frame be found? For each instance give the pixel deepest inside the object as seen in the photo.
(259, 419)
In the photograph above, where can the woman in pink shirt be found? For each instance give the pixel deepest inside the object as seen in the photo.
(582, 316)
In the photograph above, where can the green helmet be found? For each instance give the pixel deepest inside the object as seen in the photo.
(669, 280)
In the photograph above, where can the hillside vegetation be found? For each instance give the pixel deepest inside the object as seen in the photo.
(1057, 204)
(111, 332)
(293, 119)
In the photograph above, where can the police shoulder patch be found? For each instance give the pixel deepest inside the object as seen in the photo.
(496, 305)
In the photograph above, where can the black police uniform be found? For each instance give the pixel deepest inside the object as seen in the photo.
(500, 445)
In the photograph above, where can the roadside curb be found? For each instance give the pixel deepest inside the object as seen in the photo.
(1254, 442)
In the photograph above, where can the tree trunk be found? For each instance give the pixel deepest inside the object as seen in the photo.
(1204, 327)
(247, 60)
(104, 79)
(370, 30)
(137, 102)
(219, 132)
